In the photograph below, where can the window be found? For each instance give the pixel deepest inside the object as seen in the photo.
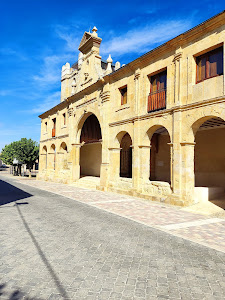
(46, 126)
(123, 92)
(209, 64)
(54, 126)
(157, 96)
(64, 119)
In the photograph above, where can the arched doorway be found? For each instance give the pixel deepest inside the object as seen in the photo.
(126, 156)
(210, 154)
(209, 159)
(160, 155)
(63, 155)
(91, 150)
(44, 157)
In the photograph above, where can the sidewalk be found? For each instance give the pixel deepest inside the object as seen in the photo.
(205, 230)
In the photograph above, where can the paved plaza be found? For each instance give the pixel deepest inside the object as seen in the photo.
(63, 242)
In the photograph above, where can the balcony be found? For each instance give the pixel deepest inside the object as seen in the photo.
(53, 132)
(157, 100)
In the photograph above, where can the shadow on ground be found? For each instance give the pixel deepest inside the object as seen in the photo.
(55, 278)
(14, 295)
(10, 193)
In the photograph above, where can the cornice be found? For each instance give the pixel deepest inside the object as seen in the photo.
(169, 111)
(55, 138)
(175, 43)
(75, 97)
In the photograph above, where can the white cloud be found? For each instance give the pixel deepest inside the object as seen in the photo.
(71, 41)
(50, 101)
(143, 39)
(50, 72)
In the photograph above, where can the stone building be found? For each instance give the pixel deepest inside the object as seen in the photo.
(154, 128)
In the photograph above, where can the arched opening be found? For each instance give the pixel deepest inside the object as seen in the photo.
(63, 155)
(209, 159)
(53, 156)
(44, 153)
(91, 150)
(160, 155)
(63, 147)
(126, 156)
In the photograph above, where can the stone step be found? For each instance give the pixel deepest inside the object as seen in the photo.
(88, 182)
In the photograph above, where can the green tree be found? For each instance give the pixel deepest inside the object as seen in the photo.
(25, 150)
(9, 152)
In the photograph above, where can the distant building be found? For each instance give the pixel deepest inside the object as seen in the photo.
(154, 128)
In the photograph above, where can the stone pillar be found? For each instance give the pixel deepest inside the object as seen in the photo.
(75, 161)
(176, 61)
(114, 171)
(59, 164)
(175, 167)
(42, 161)
(137, 90)
(188, 175)
(144, 162)
(104, 176)
(50, 162)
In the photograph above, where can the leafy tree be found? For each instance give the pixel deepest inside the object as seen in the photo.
(9, 152)
(26, 151)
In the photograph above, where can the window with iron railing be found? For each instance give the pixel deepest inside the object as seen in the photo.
(157, 96)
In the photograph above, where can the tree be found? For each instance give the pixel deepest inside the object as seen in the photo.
(26, 151)
(9, 152)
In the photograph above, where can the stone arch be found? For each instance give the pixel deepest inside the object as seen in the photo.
(159, 169)
(63, 147)
(52, 159)
(81, 121)
(62, 156)
(197, 124)
(209, 154)
(125, 154)
(119, 137)
(44, 157)
(52, 148)
(153, 129)
(90, 137)
(44, 149)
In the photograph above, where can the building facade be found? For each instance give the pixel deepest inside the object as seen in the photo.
(153, 128)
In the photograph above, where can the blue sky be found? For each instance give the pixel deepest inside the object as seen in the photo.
(38, 37)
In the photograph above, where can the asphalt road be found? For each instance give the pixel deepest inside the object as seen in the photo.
(53, 247)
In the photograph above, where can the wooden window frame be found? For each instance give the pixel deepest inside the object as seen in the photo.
(159, 104)
(122, 94)
(207, 68)
(64, 119)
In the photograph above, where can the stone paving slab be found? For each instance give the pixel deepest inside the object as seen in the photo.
(171, 219)
(52, 247)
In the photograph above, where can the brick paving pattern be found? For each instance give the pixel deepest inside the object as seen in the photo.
(52, 247)
(145, 212)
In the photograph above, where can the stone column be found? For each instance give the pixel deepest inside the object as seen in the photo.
(75, 161)
(114, 171)
(137, 90)
(188, 175)
(176, 61)
(144, 152)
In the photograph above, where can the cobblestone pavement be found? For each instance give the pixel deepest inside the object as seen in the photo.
(52, 247)
(194, 227)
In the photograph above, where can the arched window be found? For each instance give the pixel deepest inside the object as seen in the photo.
(126, 156)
